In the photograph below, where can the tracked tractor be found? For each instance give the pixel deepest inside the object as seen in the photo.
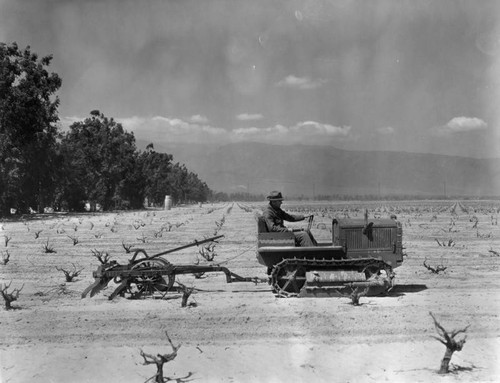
(362, 255)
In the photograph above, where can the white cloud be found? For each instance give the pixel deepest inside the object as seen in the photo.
(171, 129)
(161, 128)
(462, 124)
(300, 82)
(307, 132)
(246, 131)
(199, 119)
(386, 130)
(249, 117)
(316, 128)
(67, 121)
(489, 43)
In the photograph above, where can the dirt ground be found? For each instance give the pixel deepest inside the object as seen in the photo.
(241, 332)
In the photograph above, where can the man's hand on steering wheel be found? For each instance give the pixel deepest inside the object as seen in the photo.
(309, 224)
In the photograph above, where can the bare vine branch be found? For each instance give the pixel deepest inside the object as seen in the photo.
(9, 297)
(159, 360)
(448, 339)
(70, 275)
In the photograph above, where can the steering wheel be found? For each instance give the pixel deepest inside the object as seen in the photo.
(309, 224)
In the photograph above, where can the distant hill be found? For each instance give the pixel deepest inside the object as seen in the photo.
(320, 170)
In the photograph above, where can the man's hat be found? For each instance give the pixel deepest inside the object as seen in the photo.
(275, 196)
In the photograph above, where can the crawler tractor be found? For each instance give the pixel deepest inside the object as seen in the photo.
(362, 255)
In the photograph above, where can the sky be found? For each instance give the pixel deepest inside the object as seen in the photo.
(416, 76)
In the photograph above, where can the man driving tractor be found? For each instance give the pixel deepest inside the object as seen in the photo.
(274, 217)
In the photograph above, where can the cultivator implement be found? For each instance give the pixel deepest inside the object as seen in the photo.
(151, 274)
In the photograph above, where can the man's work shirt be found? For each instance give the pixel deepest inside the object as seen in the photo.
(274, 218)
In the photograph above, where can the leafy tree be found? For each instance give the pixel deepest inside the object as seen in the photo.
(177, 181)
(164, 178)
(156, 168)
(102, 165)
(186, 186)
(28, 131)
(95, 161)
(196, 189)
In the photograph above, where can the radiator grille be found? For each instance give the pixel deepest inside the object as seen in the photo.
(354, 238)
(381, 238)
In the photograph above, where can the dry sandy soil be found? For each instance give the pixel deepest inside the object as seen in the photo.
(240, 332)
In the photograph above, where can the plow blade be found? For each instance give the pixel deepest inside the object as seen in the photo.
(94, 288)
(100, 283)
(101, 279)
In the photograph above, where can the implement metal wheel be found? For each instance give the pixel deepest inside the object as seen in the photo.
(152, 280)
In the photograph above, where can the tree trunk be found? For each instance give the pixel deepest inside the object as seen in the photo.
(159, 373)
(445, 362)
(8, 304)
(8, 300)
(185, 297)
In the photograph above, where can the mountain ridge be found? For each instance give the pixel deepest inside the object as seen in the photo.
(324, 170)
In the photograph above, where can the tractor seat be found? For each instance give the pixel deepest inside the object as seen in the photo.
(261, 225)
(267, 238)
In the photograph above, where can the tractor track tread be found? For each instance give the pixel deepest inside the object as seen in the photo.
(309, 264)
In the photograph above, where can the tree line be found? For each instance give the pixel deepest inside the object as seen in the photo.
(96, 161)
